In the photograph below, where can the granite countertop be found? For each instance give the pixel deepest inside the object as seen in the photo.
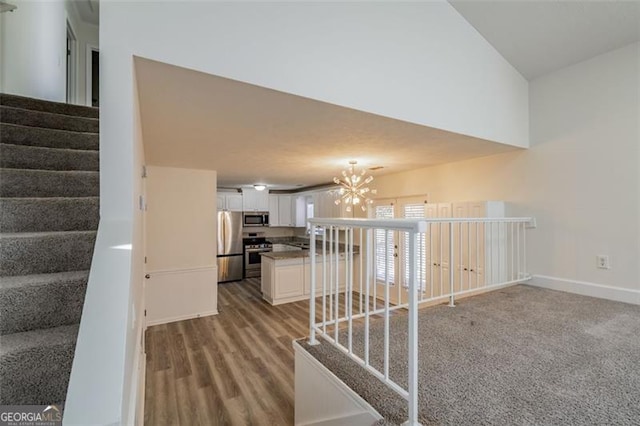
(281, 255)
(298, 254)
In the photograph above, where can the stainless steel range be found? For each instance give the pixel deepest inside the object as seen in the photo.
(253, 246)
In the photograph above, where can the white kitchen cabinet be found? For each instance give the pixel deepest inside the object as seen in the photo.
(229, 201)
(289, 277)
(289, 280)
(300, 209)
(274, 217)
(285, 210)
(342, 278)
(254, 200)
(281, 210)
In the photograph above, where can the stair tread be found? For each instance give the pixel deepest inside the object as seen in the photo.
(25, 340)
(47, 148)
(41, 105)
(46, 115)
(53, 134)
(40, 279)
(41, 234)
(26, 157)
(92, 172)
(50, 199)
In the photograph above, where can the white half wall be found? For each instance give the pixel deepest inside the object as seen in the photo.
(580, 179)
(33, 39)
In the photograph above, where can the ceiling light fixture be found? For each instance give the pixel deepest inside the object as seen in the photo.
(260, 187)
(353, 189)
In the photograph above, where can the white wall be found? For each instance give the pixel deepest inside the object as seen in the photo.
(180, 220)
(33, 39)
(86, 35)
(419, 62)
(33, 50)
(580, 178)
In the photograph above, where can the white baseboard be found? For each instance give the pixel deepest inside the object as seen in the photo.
(584, 288)
(181, 318)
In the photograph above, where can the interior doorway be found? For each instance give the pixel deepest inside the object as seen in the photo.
(93, 76)
(71, 64)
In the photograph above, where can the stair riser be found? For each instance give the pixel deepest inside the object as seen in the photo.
(51, 138)
(37, 376)
(31, 183)
(24, 255)
(43, 306)
(26, 157)
(27, 117)
(49, 214)
(46, 106)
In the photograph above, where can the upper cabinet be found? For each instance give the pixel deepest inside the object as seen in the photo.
(274, 217)
(230, 201)
(285, 211)
(255, 201)
(300, 210)
(282, 210)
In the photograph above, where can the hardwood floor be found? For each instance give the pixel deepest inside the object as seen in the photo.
(234, 368)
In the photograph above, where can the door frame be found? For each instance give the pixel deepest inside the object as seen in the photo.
(89, 69)
(71, 64)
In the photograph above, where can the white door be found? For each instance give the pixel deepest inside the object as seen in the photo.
(392, 260)
(385, 253)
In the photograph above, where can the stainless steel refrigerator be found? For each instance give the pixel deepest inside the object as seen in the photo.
(230, 256)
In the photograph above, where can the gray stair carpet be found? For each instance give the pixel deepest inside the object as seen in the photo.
(49, 213)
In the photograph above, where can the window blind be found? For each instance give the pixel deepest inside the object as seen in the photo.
(415, 211)
(384, 252)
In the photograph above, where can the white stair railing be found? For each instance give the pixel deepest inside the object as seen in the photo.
(439, 260)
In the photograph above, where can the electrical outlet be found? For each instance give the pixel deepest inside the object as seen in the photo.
(603, 262)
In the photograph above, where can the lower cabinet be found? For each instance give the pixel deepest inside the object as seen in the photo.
(289, 280)
(288, 276)
(342, 278)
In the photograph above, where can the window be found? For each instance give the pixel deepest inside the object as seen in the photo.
(385, 246)
(415, 211)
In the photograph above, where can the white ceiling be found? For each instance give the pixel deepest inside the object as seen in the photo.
(89, 10)
(251, 134)
(538, 37)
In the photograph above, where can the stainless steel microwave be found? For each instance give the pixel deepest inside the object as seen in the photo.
(255, 219)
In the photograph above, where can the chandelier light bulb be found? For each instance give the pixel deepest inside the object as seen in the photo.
(352, 187)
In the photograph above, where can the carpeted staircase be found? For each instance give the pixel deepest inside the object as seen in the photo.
(49, 187)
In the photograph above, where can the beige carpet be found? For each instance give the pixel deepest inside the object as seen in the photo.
(517, 356)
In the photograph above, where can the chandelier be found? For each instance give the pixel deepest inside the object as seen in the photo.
(353, 190)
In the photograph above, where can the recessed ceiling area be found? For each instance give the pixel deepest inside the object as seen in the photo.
(538, 37)
(251, 134)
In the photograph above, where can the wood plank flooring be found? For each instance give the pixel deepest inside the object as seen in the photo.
(234, 368)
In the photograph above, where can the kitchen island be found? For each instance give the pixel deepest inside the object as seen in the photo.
(286, 275)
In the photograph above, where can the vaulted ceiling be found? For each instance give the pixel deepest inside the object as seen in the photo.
(254, 134)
